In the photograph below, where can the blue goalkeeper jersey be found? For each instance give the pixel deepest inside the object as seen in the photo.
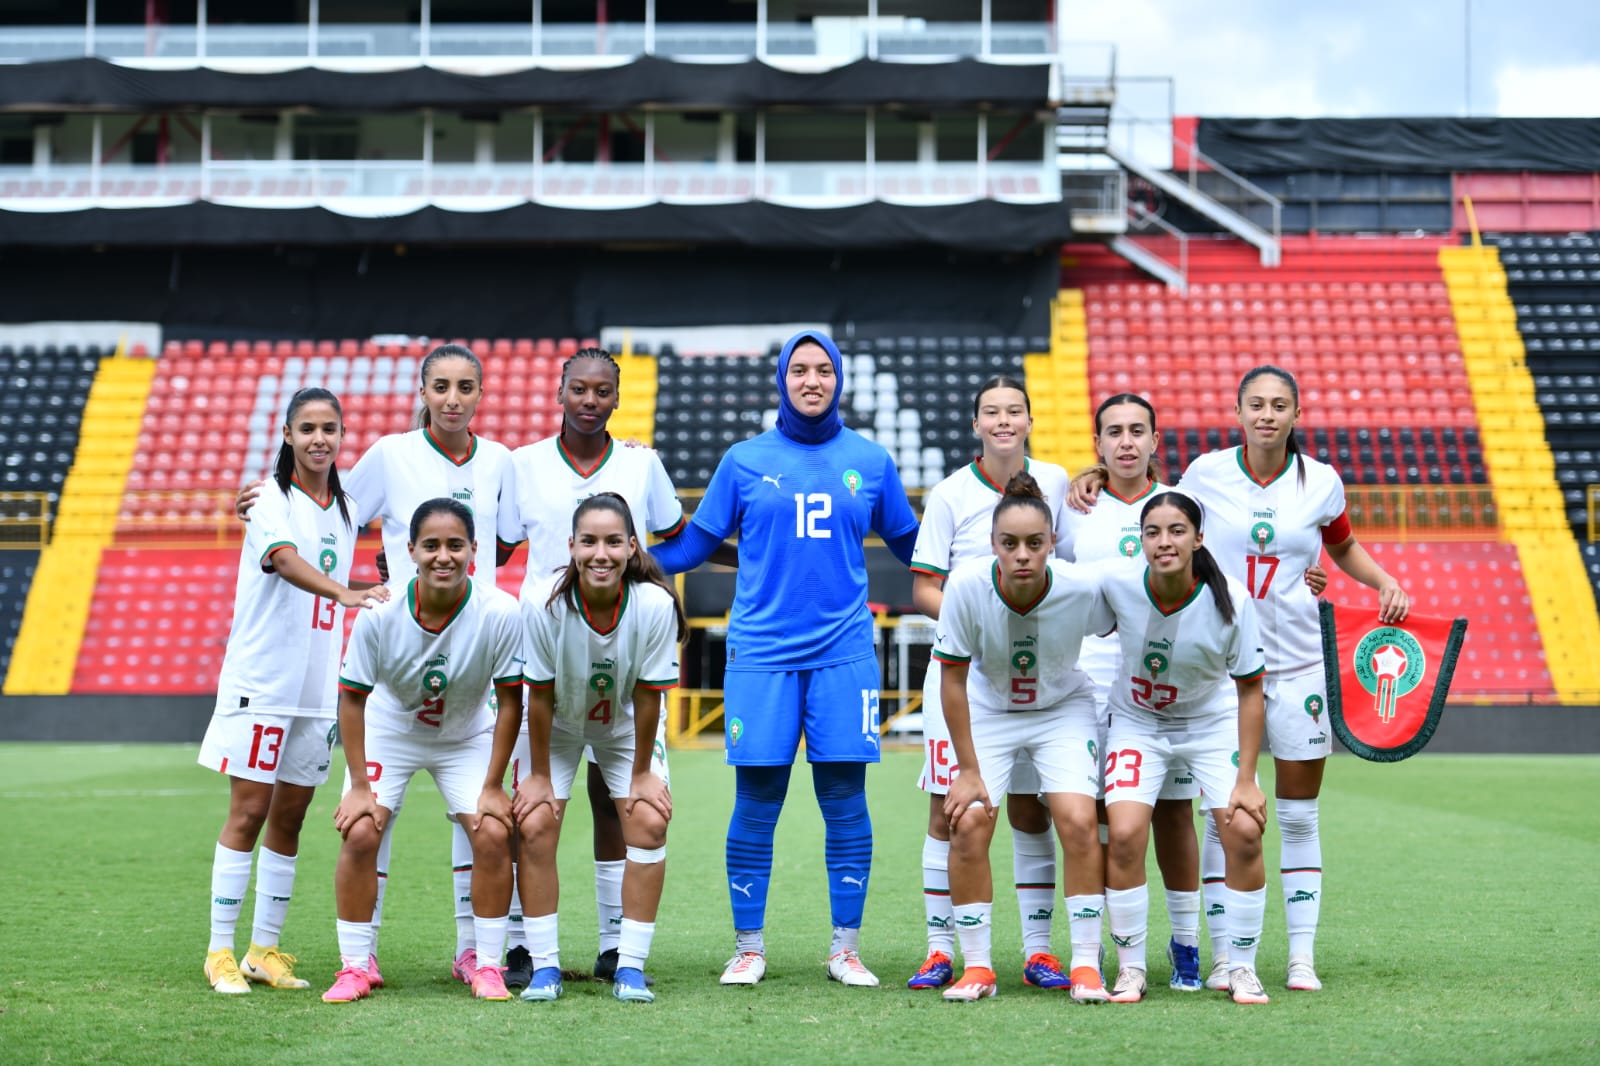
(802, 513)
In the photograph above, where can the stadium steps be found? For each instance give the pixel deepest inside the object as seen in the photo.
(53, 621)
(635, 416)
(1522, 469)
(1058, 386)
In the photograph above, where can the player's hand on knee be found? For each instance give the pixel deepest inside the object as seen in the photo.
(492, 803)
(354, 805)
(246, 499)
(534, 791)
(648, 788)
(1248, 799)
(967, 792)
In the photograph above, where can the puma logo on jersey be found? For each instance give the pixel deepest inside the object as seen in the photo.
(774, 480)
(737, 887)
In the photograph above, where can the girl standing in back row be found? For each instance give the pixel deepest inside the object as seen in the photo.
(956, 519)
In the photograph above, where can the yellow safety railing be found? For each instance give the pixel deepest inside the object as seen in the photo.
(1424, 512)
(1591, 497)
(24, 520)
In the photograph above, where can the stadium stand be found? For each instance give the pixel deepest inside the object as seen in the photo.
(911, 394)
(1482, 582)
(16, 575)
(40, 414)
(1554, 282)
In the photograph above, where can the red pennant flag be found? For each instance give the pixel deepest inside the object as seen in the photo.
(1387, 682)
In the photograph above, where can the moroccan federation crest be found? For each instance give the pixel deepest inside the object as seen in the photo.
(1387, 683)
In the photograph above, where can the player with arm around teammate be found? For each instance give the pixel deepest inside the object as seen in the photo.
(955, 527)
(601, 640)
(273, 727)
(441, 457)
(1189, 693)
(803, 498)
(1007, 646)
(414, 691)
(1270, 513)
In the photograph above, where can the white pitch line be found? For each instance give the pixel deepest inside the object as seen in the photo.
(113, 793)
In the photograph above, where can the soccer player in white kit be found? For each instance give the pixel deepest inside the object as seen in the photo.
(955, 528)
(1270, 513)
(601, 644)
(273, 727)
(1188, 694)
(440, 458)
(552, 477)
(1007, 646)
(414, 692)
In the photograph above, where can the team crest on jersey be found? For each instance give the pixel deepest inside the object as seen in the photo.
(1262, 534)
(328, 560)
(1314, 707)
(1156, 663)
(602, 675)
(1128, 546)
(434, 682)
(852, 481)
(1024, 661)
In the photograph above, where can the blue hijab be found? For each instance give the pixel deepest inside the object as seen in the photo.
(804, 429)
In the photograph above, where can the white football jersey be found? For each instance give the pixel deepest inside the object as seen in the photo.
(549, 486)
(283, 649)
(1268, 536)
(434, 683)
(402, 471)
(958, 515)
(1180, 660)
(595, 663)
(1107, 537)
(1023, 657)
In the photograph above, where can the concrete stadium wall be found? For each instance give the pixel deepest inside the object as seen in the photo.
(1465, 729)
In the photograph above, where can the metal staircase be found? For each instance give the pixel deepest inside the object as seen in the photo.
(1094, 183)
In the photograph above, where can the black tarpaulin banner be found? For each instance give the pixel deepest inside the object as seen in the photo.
(95, 83)
(1254, 145)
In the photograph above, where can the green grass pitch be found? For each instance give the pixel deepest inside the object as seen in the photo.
(1459, 926)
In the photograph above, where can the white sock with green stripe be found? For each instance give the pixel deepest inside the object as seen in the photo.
(972, 929)
(230, 878)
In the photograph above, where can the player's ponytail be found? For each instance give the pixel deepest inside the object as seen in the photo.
(422, 418)
(641, 566)
(1203, 563)
(1293, 439)
(283, 470)
(1023, 491)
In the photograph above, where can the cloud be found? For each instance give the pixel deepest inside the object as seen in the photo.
(1548, 92)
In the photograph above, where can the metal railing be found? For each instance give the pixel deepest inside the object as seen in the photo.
(1591, 499)
(388, 185)
(1409, 513)
(831, 39)
(24, 520)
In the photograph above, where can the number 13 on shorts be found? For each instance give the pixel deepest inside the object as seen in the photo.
(869, 713)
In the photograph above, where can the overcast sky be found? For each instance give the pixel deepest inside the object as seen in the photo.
(1353, 57)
